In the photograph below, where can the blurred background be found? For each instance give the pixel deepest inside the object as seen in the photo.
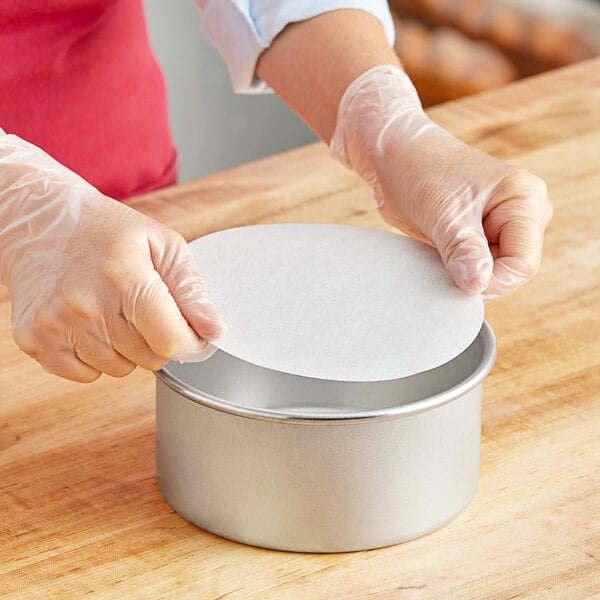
(450, 49)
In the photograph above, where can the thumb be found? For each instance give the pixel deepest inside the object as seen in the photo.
(178, 270)
(464, 248)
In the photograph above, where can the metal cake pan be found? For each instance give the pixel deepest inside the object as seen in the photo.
(300, 464)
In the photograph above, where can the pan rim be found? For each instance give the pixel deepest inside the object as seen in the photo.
(475, 378)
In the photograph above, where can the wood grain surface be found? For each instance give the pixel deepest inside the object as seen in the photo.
(80, 512)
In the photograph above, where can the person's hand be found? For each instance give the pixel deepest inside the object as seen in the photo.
(486, 217)
(95, 286)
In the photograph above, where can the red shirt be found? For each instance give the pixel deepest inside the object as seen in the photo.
(78, 78)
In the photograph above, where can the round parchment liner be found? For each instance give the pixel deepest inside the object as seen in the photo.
(335, 302)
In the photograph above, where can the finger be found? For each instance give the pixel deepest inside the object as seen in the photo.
(75, 317)
(54, 359)
(518, 249)
(67, 365)
(515, 228)
(178, 270)
(146, 306)
(196, 353)
(43, 335)
(470, 262)
(98, 331)
(153, 312)
(464, 248)
(161, 324)
(127, 341)
(508, 276)
(105, 360)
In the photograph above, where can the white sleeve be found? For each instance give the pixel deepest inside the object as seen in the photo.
(242, 29)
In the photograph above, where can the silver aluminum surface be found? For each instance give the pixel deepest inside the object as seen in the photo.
(301, 464)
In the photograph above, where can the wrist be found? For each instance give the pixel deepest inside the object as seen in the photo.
(40, 202)
(381, 99)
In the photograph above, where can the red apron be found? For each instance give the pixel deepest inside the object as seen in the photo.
(78, 78)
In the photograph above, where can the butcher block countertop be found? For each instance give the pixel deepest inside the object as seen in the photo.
(80, 511)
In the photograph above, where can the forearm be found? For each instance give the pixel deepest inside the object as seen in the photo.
(485, 217)
(311, 63)
(331, 61)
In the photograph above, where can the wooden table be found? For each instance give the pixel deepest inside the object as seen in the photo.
(79, 507)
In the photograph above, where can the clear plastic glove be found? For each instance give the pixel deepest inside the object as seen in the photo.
(486, 217)
(95, 286)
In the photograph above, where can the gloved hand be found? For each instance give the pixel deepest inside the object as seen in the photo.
(485, 217)
(94, 285)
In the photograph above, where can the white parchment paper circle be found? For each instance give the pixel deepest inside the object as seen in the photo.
(334, 301)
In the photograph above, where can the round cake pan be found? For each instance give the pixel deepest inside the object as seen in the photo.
(309, 465)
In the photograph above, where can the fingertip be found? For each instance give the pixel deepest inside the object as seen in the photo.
(79, 373)
(472, 274)
(211, 330)
(195, 353)
(465, 250)
(206, 320)
(510, 273)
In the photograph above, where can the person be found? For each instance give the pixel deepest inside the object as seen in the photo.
(95, 287)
